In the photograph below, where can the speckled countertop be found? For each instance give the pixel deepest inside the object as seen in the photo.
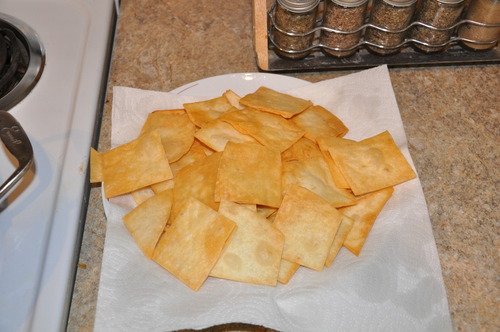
(450, 114)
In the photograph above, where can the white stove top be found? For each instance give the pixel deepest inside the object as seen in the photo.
(41, 219)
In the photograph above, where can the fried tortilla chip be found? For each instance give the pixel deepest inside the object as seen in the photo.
(344, 229)
(233, 98)
(271, 101)
(195, 153)
(309, 224)
(287, 270)
(217, 133)
(250, 174)
(364, 214)
(254, 253)
(95, 166)
(140, 195)
(270, 130)
(371, 164)
(302, 149)
(135, 165)
(314, 174)
(318, 121)
(205, 111)
(176, 131)
(196, 180)
(191, 246)
(147, 221)
(338, 177)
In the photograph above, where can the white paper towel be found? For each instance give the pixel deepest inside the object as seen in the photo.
(394, 285)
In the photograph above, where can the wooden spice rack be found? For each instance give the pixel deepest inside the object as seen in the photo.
(267, 59)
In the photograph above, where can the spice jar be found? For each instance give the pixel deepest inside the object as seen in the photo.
(343, 16)
(391, 15)
(483, 11)
(296, 17)
(441, 14)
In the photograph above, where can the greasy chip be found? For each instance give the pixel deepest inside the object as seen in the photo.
(195, 153)
(205, 111)
(196, 180)
(270, 130)
(249, 173)
(95, 166)
(309, 224)
(217, 133)
(313, 174)
(147, 221)
(254, 253)
(233, 98)
(371, 164)
(344, 229)
(317, 121)
(287, 270)
(339, 179)
(364, 214)
(268, 100)
(302, 149)
(176, 131)
(140, 195)
(135, 165)
(191, 246)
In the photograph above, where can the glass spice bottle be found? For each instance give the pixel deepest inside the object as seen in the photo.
(294, 16)
(440, 14)
(392, 15)
(483, 11)
(345, 16)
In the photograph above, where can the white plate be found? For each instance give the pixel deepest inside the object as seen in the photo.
(240, 83)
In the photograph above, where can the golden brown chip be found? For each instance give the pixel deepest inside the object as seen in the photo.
(205, 111)
(135, 165)
(270, 130)
(217, 133)
(309, 224)
(254, 253)
(195, 153)
(147, 221)
(364, 214)
(191, 246)
(162, 186)
(233, 98)
(287, 270)
(338, 177)
(140, 195)
(344, 229)
(371, 164)
(318, 121)
(314, 174)
(249, 173)
(95, 166)
(302, 149)
(196, 180)
(176, 131)
(268, 100)
(265, 211)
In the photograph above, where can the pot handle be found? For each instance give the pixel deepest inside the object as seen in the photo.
(17, 142)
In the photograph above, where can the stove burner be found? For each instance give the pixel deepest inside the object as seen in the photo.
(21, 60)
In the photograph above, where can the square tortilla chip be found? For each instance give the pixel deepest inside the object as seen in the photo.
(135, 165)
(205, 111)
(287, 270)
(270, 130)
(233, 98)
(309, 224)
(271, 101)
(176, 131)
(318, 121)
(190, 247)
(147, 221)
(314, 174)
(344, 229)
(250, 174)
(140, 195)
(371, 164)
(338, 177)
(254, 253)
(302, 149)
(195, 153)
(364, 214)
(95, 166)
(196, 180)
(217, 133)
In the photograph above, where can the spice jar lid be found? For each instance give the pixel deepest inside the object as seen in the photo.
(400, 3)
(451, 2)
(298, 6)
(349, 3)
